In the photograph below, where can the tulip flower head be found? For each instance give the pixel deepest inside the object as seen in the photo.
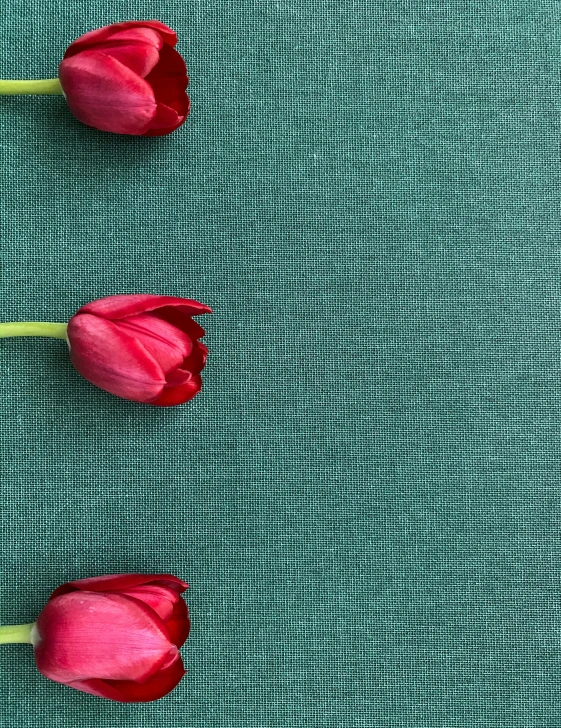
(116, 637)
(141, 347)
(125, 78)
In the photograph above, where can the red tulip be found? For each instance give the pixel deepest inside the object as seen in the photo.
(126, 78)
(140, 347)
(116, 637)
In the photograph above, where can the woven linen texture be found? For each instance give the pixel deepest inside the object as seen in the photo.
(365, 497)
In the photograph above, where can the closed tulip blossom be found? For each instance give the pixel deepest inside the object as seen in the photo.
(116, 637)
(141, 347)
(125, 78)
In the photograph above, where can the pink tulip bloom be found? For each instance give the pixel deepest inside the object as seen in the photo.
(140, 347)
(126, 78)
(116, 637)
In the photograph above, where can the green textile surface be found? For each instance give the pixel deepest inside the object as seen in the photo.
(365, 498)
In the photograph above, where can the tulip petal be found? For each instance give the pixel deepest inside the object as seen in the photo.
(179, 624)
(86, 634)
(178, 376)
(166, 343)
(126, 691)
(176, 316)
(196, 361)
(191, 365)
(172, 65)
(120, 306)
(165, 121)
(141, 35)
(100, 35)
(105, 94)
(169, 80)
(113, 360)
(168, 605)
(158, 598)
(138, 57)
(203, 349)
(119, 582)
(172, 396)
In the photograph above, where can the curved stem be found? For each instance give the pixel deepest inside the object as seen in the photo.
(33, 328)
(16, 633)
(35, 86)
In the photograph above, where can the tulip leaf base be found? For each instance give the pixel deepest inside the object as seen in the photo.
(33, 328)
(16, 633)
(38, 86)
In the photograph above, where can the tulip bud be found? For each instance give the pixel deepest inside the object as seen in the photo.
(115, 637)
(140, 347)
(125, 78)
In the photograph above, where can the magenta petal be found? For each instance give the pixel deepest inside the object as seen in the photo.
(172, 396)
(105, 94)
(165, 121)
(138, 57)
(166, 343)
(169, 80)
(119, 306)
(117, 582)
(113, 360)
(125, 691)
(176, 315)
(101, 35)
(98, 635)
(143, 36)
(179, 625)
(158, 598)
(177, 377)
(196, 361)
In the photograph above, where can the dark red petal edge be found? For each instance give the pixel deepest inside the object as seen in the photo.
(126, 691)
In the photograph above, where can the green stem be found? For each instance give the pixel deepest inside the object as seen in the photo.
(33, 328)
(36, 86)
(16, 633)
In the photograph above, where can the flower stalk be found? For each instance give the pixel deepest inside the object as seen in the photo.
(37, 86)
(33, 328)
(12, 634)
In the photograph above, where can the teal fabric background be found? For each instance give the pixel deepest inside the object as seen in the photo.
(365, 497)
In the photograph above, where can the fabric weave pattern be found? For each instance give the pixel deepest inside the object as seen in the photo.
(365, 496)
